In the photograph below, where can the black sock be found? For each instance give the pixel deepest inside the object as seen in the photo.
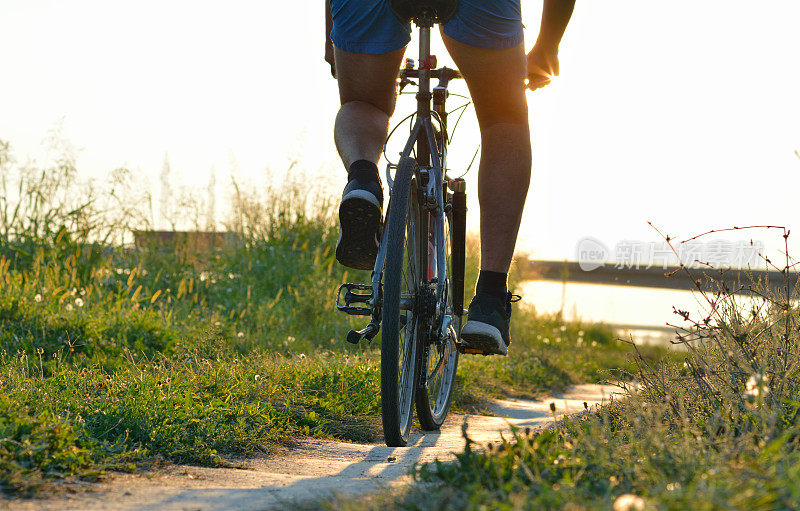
(492, 283)
(364, 171)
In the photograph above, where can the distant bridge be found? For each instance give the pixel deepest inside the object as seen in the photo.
(739, 281)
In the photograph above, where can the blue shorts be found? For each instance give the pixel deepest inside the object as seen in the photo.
(370, 26)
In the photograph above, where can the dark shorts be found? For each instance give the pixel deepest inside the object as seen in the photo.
(369, 26)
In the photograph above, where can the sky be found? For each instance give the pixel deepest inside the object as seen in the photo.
(683, 113)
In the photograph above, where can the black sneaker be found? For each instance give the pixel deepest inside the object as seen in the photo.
(487, 328)
(360, 224)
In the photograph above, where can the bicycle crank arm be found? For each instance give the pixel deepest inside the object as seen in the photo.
(368, 332)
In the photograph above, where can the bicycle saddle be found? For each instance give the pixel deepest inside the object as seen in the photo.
(434, 11)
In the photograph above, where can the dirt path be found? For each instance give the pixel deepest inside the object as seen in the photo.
(314, 470)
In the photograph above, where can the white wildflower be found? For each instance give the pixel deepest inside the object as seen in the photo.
(69, 307)
(628, 502)
(290, 339)
(240, 335)
(37, 298)
(79, 302)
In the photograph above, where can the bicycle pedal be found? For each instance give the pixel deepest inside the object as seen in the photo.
(370, 331)
(352, 296)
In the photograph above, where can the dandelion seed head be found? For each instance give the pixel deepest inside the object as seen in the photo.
(757, 386)
(756, 381)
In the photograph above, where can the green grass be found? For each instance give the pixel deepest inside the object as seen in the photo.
(111, 355)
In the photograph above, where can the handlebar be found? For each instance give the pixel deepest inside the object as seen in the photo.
(441, 73)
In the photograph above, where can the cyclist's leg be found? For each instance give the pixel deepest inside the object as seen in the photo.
(369, 43)
(495, 78)
(367, 94)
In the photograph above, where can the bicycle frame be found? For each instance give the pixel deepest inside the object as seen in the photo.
(436, 174)
(425, 205)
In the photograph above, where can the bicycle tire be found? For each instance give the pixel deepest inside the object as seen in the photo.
(399, 374)
(433, 400)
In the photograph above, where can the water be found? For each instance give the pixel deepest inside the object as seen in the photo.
(641, 313)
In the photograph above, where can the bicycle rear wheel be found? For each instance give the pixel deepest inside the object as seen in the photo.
(439, 356)
(403, 276)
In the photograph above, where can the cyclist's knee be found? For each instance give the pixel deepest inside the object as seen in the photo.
(352, 105)
(513, 114)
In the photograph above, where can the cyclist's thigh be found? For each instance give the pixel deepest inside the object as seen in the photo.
(486, 42)
(369, 43)
(368, 78)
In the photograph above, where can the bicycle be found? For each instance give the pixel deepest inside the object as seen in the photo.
(416, 294)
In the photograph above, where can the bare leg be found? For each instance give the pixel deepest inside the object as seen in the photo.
(496, 83)
(367, 94)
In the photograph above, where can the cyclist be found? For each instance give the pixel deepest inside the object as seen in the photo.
(365, 47)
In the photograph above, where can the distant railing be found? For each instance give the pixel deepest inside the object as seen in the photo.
(671, 277)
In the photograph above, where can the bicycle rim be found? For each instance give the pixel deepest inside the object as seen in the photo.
(440, 360)
(401, 325)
